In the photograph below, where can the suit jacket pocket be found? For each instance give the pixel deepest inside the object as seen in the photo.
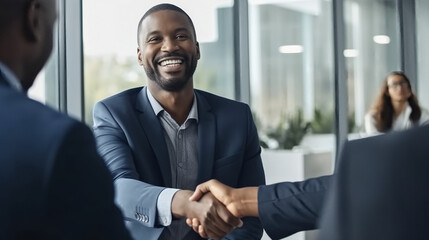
(229, 160)
(228, 169)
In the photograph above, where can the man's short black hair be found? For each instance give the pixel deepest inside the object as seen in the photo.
(164, 6)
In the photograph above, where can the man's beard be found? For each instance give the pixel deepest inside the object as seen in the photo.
(173, 84)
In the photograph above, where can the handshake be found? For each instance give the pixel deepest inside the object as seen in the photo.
(215, 209)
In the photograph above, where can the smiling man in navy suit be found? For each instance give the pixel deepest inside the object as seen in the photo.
(53, 184)
(162, 140)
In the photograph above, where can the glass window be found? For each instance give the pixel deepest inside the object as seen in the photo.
(110, 45)
(292, 88)
(292, 72)
(422, 18)
(372, 51)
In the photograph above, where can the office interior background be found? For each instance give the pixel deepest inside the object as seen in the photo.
(309, 69)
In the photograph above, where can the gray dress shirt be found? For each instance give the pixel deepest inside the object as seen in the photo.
(182, 144)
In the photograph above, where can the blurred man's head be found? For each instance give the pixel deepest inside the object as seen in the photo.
(26, 36)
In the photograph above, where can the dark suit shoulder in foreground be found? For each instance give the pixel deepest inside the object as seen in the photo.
(53, 183)
(380, 189)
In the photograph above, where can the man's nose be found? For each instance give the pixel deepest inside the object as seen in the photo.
(169, 45)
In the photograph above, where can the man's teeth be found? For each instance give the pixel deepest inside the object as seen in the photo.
(170, 62)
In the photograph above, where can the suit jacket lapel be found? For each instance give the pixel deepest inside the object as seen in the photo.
(155, 135)
(206, 139)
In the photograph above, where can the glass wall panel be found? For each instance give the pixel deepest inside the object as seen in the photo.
(372, 51)
(422, 18)
(292, 88)
(292, 72)
(110, 46)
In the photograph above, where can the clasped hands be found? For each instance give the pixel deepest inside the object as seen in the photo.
(210, 209)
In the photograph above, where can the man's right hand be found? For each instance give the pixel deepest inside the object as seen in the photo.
(240, 202)
(216, 220)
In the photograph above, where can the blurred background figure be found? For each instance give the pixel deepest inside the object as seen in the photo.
(395, 108)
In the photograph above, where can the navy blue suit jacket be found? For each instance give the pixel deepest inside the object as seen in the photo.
(53, 184)
(380, 189)
(130, 139)
(289, 207)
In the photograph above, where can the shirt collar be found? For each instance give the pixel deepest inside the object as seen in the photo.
(157, 108)
(10, 77)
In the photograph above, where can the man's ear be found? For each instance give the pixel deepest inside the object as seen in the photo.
(139, 56)
(198, 50)
(32, 21)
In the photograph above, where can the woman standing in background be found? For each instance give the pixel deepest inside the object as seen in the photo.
(396, 107)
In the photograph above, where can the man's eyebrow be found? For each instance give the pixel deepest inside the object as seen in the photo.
(183, 29)
(156, 32)
(153, 33)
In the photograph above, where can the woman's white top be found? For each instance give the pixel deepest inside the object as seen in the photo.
(402, 122)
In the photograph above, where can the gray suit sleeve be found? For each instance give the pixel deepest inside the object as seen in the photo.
(112, 144)
(137, 199)
(289, 207)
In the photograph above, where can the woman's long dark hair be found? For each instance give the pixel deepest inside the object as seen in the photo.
(382, 110)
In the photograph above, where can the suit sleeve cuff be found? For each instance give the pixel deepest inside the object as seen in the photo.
(163, 206)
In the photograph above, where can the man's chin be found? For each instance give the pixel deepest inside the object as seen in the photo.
(172, 85)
